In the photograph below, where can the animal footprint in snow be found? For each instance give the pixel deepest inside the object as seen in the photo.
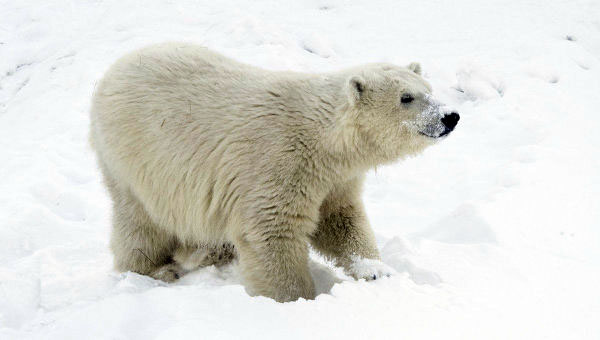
(479, 84)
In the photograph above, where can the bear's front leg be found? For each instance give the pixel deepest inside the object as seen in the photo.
(274, 263)
(343, 233)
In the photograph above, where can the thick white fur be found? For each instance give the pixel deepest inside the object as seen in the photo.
(198, 150)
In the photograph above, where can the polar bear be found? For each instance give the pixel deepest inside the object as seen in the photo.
(207, 158)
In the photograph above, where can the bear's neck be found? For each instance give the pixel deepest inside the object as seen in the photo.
(326, 125)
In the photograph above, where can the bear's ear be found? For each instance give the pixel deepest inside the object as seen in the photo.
(356, 89)
(415, 67)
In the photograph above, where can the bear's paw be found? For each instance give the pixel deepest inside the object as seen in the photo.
(369, 269)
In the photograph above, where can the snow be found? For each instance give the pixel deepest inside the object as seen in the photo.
(491, 234)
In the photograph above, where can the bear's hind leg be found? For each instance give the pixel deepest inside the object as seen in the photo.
(137, 243)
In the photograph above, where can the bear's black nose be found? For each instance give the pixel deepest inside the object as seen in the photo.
(450, 120)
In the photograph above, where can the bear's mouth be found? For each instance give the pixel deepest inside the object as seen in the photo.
(445, 132)
(440, 135)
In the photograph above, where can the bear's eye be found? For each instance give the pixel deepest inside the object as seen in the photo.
(406, 98)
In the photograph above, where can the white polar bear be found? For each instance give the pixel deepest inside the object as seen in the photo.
(204, 156)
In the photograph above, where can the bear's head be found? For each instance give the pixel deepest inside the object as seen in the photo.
(392, 113)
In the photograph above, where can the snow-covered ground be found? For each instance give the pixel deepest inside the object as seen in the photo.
(494, 233)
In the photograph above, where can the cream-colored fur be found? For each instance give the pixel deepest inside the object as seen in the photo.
(199, 151)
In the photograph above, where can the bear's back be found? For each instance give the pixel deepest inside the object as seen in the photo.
(179, 125)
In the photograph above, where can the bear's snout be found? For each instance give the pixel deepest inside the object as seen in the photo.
(450, 120)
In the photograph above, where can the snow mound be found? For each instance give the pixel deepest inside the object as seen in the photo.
(464, 225)
(398, 255)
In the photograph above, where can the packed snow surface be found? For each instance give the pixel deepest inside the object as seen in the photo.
(494, 233)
